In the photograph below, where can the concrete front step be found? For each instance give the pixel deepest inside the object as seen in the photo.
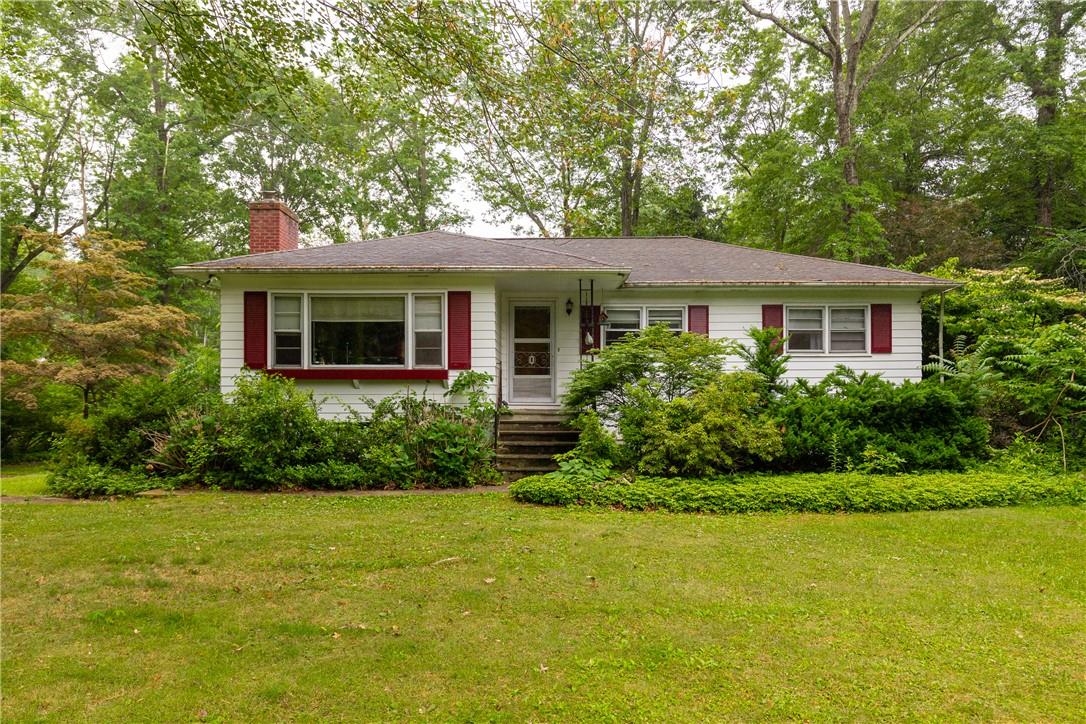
(529, 439)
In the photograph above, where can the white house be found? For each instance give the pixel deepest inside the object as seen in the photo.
(369, 318)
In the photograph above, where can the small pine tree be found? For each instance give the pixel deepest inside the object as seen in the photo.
(766, 357)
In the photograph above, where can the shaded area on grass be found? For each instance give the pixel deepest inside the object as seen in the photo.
(472, 607)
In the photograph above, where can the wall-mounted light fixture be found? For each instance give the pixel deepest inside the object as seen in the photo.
(569, 307)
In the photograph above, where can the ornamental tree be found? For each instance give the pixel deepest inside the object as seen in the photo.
(88, 322)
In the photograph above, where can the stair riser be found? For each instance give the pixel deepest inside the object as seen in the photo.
(548, 451)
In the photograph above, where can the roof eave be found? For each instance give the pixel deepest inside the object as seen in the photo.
(199, 271)
(933, 285)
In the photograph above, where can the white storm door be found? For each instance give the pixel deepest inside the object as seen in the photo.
(533, 354)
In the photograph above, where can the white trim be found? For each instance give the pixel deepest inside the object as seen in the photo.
(271, 330)
(409, 326)
(510, 363)
(826, 336)
(643, 319)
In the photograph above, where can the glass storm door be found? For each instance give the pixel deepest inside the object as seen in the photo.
(533, 371)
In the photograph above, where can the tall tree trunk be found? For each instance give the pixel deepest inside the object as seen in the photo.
(845, 41)
(1043, 75)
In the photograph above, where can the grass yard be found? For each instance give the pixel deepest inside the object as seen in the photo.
(23, 479)
(234, 607)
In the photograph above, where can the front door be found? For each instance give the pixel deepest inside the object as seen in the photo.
(533, 358)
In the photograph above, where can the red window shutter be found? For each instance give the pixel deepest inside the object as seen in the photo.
(590, 325)
(459, 330)
(773, 316)
(697, 319)
(882, 329)
(255, 324)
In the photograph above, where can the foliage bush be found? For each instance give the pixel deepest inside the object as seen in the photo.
(849, 421)
(266, 425)
(1030, 383)
(665, 364)
(412, 441)
(267, 434)
(716, 429)
(121, 430)
(765, 357)
(825, 493)
(674, 408)
(91, 480)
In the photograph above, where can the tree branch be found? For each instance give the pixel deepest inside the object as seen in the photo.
(805, 39)
(896, 42)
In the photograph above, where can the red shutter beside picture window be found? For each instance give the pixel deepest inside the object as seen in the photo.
(590, 324)
(882, 329)
(255, 324)
(459, 330)
(697, 319)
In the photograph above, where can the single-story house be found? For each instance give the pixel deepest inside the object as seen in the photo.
(369, 318)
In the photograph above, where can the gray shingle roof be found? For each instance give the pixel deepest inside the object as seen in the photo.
(683, 260)
(648, 261)
(426, 251)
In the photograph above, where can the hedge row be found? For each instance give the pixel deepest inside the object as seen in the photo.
(814, 493)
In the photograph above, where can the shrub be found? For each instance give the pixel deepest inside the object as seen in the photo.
(328, 474)
(667, 365)
(246, 441)
(827, 493)
(849, 420)
(1030, 383)
(414, 441)
(89, 480)
(594, 441)
(765, 357)
(717, 429)
(121, 431)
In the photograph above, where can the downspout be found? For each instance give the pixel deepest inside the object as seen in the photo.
(942, 298)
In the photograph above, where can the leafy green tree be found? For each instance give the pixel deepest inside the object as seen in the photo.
(851, 49)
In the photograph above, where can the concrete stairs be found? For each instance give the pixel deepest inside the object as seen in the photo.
(528, 439)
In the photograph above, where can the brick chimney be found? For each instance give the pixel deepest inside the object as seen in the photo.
(272, 225)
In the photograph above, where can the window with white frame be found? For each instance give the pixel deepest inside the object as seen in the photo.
(287, 330)
(358, 331)
(428, 330)
(848, 329)
(805, 329)
(826, 329)
(621, 321)
(341, 330)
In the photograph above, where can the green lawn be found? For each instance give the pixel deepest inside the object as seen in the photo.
(23, 479)
(235, 607)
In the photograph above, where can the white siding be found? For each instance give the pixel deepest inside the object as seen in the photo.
(338, 396)
(731, 314)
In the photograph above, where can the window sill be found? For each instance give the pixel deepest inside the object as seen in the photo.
(342, 373)
(801, 353)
